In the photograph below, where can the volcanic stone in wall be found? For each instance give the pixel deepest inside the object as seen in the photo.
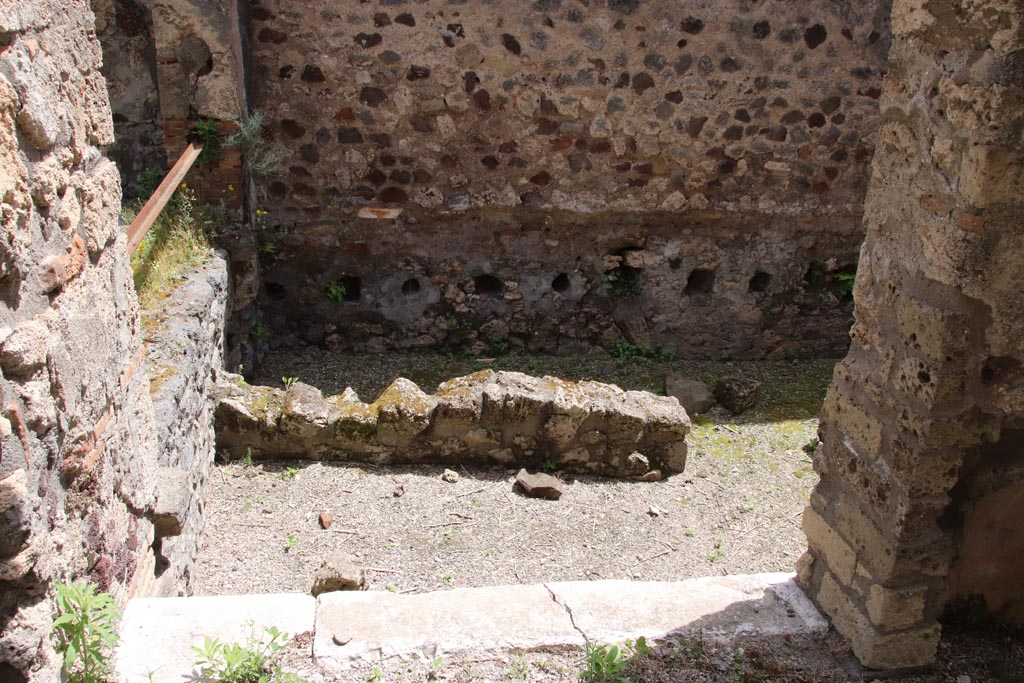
(620, 106)
(76, 423)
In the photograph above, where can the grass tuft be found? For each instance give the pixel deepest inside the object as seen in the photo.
(178, 241)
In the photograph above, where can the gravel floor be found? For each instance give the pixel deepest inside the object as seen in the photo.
(736, 508)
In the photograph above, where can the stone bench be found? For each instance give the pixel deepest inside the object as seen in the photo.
(487, 418)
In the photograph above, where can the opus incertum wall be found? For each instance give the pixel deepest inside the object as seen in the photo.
(689, 175)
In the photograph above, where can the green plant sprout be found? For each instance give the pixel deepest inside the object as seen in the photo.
(844, 283)
(259, 161)
(207, 131)
(86, 631)
(621, 284)
(607, 663)
(336, 291)
(243, 663)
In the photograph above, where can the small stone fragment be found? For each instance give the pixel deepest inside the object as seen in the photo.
(450, 476)
(539, 485)
(655, 511)
(399, 491)
(736, 393)
(326, 520)
(338, 573)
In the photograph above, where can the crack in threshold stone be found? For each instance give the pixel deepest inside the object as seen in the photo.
(568, 610)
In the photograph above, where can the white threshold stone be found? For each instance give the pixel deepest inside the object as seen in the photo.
(158, 634)
(363, 627)
(357, 628)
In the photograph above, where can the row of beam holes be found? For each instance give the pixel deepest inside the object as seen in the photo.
(700, 281)
(489, 286)
(353, 289)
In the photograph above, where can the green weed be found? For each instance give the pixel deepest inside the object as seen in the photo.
(621, 283)
(178, 241)
(608, 663)
(626, 352)
(718, 551)
(249, 138)
(86, 631)
(336, 291)
(844, 283)
(259, 331)
(243, 663)
(208, 132)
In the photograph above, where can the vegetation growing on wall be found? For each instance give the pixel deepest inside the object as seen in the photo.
(178, 241)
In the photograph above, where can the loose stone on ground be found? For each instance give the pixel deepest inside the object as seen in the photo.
(539, 485)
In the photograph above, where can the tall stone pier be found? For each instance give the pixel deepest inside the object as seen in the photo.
(921, 462)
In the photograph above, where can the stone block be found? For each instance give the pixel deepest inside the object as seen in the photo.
(932, 331)
(305, 413)
(838, 556)
(931, 383)
(991, 552)
(404, 412)
(15, 513)
(37, 119)
(488, 418)
(57, 269)
(862, 432)
(158, 634)
(894, 609)
(459, 404)
(885, 558)
(693, 396)
(173, 499)
(991, 175)
(338, 572)
(877, 649)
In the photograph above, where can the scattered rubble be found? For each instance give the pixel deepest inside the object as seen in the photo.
(737, 394)
(539, 485)
(695, 397)
(338, 572)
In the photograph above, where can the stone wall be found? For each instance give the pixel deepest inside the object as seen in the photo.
(488, 418)
(77, 441)
(921, 456)
(535, 148)
(185, 347)
(125, 30)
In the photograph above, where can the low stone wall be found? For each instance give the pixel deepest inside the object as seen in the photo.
(181, 355)
(487, 418)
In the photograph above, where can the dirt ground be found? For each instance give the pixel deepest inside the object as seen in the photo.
(736, 509)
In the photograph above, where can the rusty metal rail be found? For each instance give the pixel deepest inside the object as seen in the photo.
(156, 203)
